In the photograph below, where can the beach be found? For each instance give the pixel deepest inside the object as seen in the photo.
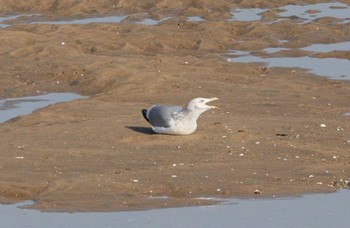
(279, 131)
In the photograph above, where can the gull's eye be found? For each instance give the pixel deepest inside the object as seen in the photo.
(202, 101)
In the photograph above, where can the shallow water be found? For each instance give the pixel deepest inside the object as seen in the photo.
(318, 48)
(5, 18)
(12, 107)
(148, 21)
(306, 13)
(109, 19)
(333, 68)
(321, 48)
(311, 12)
(195, 19)
(330, 67)
(318, 210)
(114, 19)
(252, 14)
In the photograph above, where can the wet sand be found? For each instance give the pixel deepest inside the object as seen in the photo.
(281, 131)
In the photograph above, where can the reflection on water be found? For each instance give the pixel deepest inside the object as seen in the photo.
(329, 67)
(195, 19)
(341, 46)
(311, 12)
(306, 13)
(109, 19)
(318, 48)
(252, 14)
(319, 210)
(334, 68)
(148, 21)
(12, 107)
(5, 18)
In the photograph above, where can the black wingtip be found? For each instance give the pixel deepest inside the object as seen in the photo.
(144, 113)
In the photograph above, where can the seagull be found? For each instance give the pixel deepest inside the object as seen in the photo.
(176, 120)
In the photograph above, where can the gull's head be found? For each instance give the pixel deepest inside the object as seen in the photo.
(200, 104)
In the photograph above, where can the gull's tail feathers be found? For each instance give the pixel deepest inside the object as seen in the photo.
(144, 113)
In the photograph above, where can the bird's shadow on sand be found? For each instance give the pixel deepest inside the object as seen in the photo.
(143, 130)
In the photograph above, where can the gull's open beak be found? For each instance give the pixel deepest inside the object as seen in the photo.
(212, 99)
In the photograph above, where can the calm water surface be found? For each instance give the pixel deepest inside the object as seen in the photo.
(318, 211)
(12, 107)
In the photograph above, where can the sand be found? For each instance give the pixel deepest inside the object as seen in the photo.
(279, 131)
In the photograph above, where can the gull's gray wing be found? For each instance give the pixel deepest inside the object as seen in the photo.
(161, 115)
